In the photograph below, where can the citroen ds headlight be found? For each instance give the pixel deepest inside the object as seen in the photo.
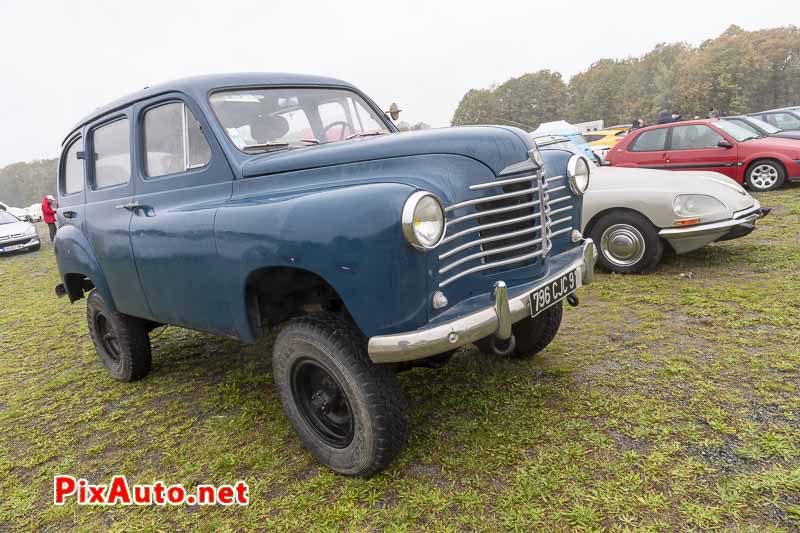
(423, 220)
(578, 174)
(696, 205)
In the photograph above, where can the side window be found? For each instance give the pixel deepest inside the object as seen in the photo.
(174, 141)
(72, 167)
(332, 113)
(785, 121)
(650, 141)
(694, 137)
(112, 154)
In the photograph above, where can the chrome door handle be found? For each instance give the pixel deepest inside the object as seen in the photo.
(131, 206)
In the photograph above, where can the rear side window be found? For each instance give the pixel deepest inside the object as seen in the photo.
(174, 141)
(785, 121)
(694, 137)
(72, 167)
(650, 141)
(112, 154)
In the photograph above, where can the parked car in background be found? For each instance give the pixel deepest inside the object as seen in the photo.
(601, 141)
(565, 129)
(34, 212)
(375, 250)
(634, 213)
(762, 128)
(785, 119)
(763, 163)
(17, 235)
(19, 213)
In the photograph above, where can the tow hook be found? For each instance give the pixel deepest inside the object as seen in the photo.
(503, 347)
(572, 299)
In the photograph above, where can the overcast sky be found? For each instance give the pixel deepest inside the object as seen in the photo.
(61, 59)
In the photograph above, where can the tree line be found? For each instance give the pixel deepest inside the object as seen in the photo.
(23, 184)
(738, 72)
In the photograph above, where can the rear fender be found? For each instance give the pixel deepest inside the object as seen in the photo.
(75, 257)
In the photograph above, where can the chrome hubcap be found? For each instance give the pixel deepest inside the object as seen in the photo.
(622, 245)
(764, 176)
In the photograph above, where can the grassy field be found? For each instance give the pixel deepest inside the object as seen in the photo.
(668, 401)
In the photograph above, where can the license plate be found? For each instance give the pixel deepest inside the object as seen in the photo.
(556, 290)
(12, 248)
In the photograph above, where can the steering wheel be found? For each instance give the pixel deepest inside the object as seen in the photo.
(341, 123)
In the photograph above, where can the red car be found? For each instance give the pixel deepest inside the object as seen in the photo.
(764, 163)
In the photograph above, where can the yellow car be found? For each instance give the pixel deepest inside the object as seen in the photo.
(601, 141)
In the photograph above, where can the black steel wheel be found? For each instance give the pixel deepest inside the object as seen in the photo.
(322, 402)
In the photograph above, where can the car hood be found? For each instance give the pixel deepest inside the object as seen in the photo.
(495, 146)
(788, 134)
(775, 143)
(14, 228)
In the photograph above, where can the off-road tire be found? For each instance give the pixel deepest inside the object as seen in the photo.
(133, 360)
(532, 335)
(376, 402)
(780, 175)
(644, 231)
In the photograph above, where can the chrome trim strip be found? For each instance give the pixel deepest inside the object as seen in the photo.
(500, 183)
(714, 227)
(451, 238)
(559, 199)
(466, 329)
(484, 240)
(492, 212)
(559, 210)
(559, 221)
(487, 266)
(490, 198)
(548, 180)
(493, 251)
(559, 232)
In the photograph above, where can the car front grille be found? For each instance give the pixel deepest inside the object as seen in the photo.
(503, 228)
(4, 238)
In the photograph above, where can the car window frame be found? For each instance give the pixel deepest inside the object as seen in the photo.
(667, 139)
(672, 130)
(62, 163)
(91, 178)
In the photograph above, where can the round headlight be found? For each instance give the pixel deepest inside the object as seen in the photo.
(695, 205)
(578, 174)
(423, 220)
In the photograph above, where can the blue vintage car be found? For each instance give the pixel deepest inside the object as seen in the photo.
(249, 203)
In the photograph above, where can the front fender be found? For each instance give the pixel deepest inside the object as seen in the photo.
(349, 236)
(74, 255)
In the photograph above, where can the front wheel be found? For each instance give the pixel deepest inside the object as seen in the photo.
(349, 412)
(628, 243)
(765, 175)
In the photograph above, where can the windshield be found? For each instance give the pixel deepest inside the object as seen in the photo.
(7, 218)
(736, 131)
(764, 125)
(561, 143)
(259, 120)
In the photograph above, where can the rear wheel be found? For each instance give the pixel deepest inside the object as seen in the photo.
(765, 175)
(348, 412)
(628, 242)
(120, 340)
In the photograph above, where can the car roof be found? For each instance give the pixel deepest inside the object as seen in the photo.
(680, 123)
(205, 84)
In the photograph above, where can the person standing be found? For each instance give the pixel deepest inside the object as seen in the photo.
(712, 113)
(49, 215)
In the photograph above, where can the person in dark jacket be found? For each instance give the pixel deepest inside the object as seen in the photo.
(49, 215)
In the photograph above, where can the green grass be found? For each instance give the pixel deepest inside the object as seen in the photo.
(667, 402)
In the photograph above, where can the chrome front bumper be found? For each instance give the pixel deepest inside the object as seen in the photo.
(492, 320)
(690, 238)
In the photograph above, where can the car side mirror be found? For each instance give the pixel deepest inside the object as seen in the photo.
(724, 144)
(394, 111)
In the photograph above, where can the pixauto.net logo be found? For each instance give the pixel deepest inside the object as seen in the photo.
(119, 492)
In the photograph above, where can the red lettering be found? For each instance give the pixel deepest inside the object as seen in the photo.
(158, 493)
(119, 491)
(96, 494)
(242, 496)
(142, 494)
(63, 486)
(176, 494)
(225, 495)
(206, 495)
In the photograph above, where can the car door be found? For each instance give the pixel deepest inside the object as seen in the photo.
(181, 179)
(696, 147)
(71, 184)
(648, 149)
(108, 216)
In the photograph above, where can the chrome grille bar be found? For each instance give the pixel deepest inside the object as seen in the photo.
(559, 232)
(451, 238)
(560, 221)
(490, 198)
(484, 240)
(487, 266)
(501, 183)
(493, 251)
(479, 214)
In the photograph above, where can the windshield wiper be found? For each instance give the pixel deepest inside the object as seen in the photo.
(271, 146)
(364, 134)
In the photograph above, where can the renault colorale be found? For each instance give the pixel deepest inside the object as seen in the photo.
(250, 203)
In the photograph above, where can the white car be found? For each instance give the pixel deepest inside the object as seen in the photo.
(17, 235)
(633, 213)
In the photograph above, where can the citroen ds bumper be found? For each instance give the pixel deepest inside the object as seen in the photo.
(491, 320)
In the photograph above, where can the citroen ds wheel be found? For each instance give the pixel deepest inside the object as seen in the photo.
(531, 335)
(349, 412)
(628, 243)
(765, 175)
(120, 340)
